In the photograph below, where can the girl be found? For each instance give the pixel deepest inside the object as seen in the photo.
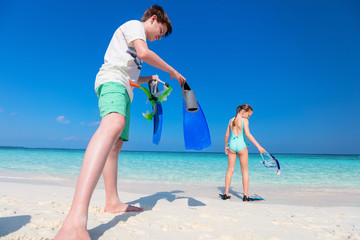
(236, 134)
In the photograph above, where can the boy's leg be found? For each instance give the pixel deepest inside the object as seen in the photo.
(244, 162)
(113, 203)
(74, 226)
(230, 171)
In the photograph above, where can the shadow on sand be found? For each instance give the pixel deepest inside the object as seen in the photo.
(98, 231)
(12, 224)
(147, 203)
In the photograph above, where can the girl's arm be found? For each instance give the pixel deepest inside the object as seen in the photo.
(227, 138)
(250, 137)
(148, 56)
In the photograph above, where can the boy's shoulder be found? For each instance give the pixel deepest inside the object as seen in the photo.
(133, 21)
(132, 30)
(130, 23)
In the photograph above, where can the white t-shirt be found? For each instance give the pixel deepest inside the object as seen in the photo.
(121, 60)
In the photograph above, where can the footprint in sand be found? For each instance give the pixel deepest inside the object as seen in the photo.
(172, 227)
(96, 209)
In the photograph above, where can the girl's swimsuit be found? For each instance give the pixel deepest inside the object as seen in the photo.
(237, 142)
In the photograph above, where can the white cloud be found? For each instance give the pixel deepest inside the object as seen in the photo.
(71, 138)
(11, 114)
(61, 119)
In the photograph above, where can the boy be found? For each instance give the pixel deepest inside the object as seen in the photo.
(123, 61)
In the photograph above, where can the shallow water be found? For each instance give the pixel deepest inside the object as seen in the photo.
(340, 171)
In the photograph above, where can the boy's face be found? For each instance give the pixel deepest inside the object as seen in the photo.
(155, 30)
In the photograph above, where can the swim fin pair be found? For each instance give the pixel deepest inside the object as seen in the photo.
(196, 130)
(245, 198)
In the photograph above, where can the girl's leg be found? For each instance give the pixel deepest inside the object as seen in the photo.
(244, 162)
(113, 203)
(74, 226)
(230, 170)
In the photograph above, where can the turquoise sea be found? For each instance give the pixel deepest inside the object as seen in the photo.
(324, 171)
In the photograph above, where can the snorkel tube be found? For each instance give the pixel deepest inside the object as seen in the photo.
(154, 95)
(147, 115)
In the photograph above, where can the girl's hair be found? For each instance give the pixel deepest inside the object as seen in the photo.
(245, 107)
(161, 17)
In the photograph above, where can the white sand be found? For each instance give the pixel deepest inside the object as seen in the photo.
(36, 211)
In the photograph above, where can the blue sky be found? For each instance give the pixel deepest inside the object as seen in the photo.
(295, 62)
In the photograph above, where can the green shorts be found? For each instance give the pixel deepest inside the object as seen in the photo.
(113, 97)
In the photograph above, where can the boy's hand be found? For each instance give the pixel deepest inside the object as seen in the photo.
(155, 78)
(177, 76)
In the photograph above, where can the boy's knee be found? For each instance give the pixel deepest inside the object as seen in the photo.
(118, 145)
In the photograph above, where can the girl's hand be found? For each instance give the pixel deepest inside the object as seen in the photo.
(227, 150)
(261, 149)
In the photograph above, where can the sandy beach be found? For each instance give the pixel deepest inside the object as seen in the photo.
(34, 210)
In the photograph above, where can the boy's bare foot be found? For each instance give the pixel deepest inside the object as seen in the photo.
(72, 233)
(122, 207)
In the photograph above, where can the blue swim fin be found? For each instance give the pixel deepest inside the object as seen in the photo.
(157, 124)
(251, 199)
(196, 131)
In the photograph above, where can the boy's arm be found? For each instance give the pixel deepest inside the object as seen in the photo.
(250, 137)
(148, 56)
(147, 79)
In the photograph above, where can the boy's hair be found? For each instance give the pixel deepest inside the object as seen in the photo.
(245, 107)
(161, 17)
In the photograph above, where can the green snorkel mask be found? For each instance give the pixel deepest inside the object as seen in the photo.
(154, 95)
